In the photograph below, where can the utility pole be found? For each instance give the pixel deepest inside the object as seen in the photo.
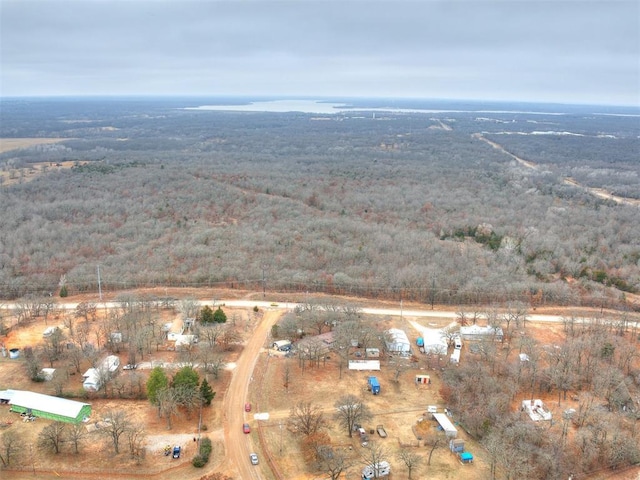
(200, 423)
(264, 281)
(280, 437)
(99, 284)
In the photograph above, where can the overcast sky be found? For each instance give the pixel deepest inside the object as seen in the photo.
(568, 51)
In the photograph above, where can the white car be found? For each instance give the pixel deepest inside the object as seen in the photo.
(254, 458)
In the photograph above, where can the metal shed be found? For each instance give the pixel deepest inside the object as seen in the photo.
(51, 408)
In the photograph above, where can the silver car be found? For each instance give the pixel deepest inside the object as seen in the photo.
(254, 458)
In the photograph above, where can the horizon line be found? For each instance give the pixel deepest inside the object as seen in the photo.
(266, 97)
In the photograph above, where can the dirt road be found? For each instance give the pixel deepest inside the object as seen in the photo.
(597, 192)
(237, 443)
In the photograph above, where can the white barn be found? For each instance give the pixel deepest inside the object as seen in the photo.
(397, 341)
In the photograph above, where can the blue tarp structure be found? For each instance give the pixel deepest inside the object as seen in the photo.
(466, 457)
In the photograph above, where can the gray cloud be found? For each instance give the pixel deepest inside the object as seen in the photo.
(566, 51)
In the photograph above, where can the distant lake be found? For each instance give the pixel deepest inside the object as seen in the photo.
(327, 107)
(281, 106)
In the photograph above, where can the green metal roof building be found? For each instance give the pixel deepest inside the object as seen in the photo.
(45, 406)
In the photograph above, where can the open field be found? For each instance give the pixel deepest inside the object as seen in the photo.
(8, 144)
(25, 173)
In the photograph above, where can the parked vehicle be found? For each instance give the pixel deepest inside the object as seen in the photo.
(254, 458)
(377, 470)
(374, 385)
(381, 431)
(130, 366)
(176, 451)
(49, 331)
(247, 407)
(246, 428)
(282, 345)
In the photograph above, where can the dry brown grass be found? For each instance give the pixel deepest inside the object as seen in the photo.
(8, 144)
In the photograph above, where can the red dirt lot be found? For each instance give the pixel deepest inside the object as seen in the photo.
(401, 405)
(96, 458)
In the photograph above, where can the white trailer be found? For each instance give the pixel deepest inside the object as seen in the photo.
(364, 365)
(446, 425)
(455, 356)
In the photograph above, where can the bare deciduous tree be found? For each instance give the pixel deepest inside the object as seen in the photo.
(116, 423)
(75, 433)
(351, 410)
(135, 440)
(189, 307)
(11, 445)
(373, 455)
(286, 375)
(86, 310)
(167, 404)
(306, 418)
(332, 462)
(410, 459)
(52, 436)
(433, 440)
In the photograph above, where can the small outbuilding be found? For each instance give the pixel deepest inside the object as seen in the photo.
(397, 341)
(372, 353)
(45, 406)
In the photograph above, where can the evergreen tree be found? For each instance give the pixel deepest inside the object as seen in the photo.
(157, 382)
(206, 392)
(187, 378)
(219, 316)
(207, 315)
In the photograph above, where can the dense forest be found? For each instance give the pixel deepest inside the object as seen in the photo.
(398, 204)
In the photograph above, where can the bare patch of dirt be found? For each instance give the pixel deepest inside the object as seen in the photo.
(399, 407)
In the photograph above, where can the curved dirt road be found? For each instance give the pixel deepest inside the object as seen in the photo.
(237, 443)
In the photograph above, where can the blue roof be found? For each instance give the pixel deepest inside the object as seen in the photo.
(466, 456)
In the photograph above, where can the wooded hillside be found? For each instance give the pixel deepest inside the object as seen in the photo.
(401, 205)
